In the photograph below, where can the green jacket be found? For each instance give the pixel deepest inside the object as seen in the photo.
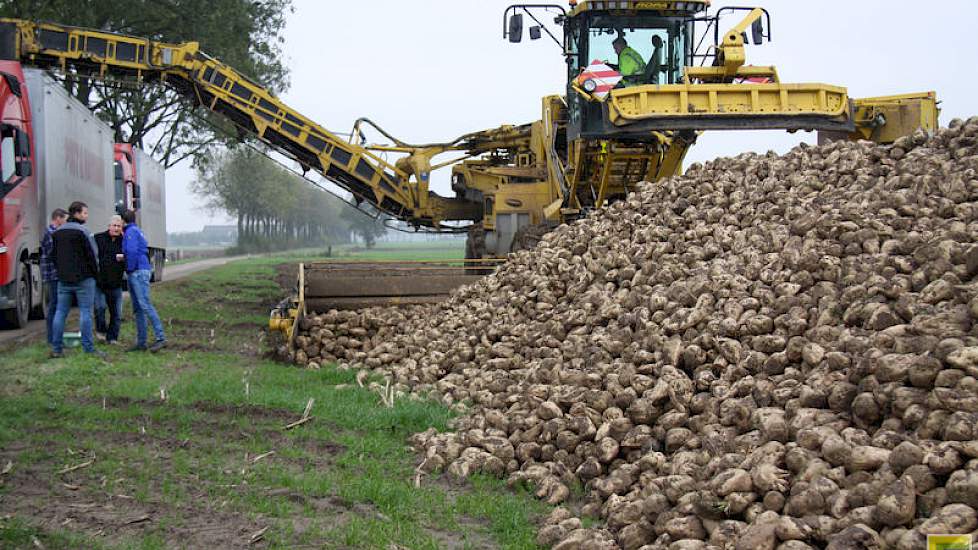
(630, 65)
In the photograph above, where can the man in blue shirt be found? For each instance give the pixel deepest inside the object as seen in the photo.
(49, 271)
(139, 271)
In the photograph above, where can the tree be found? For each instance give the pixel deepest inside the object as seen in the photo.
(230, 182)
(366, 227)
(274, 208)
(246, 34)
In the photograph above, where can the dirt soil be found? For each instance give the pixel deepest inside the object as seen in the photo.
(100, 507)
(55, 502)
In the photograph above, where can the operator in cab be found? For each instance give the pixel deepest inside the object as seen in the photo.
(630, 62)
(654, 66)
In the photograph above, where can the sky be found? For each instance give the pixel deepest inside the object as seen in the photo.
(433, 70)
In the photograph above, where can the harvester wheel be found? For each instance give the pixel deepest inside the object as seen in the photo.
(528, 236)
(475, 243)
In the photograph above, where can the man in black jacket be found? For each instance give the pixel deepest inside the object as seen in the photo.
(111, 268)
(76, 259)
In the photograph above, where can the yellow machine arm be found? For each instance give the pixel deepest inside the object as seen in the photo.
(399, 190)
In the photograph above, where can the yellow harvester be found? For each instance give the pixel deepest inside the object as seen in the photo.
(613, 128)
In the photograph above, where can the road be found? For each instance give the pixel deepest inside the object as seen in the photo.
(180, 271)
(34, 329)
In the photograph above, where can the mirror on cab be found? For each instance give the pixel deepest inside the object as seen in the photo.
(24, 168)
(516, 27)
(535, 33)
(757, 31)
(23, 144)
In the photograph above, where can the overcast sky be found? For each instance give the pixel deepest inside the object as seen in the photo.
(433, 70)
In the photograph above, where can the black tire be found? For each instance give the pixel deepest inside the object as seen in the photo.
(160, 265)
(39, 311)
(18, 316)
(156, 261)
(475, 243)
(528, 236)
(475, 249)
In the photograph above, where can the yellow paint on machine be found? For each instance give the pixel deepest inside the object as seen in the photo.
(758, 100)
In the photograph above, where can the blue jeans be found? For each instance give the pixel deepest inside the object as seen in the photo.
(142, 307)
(85, 292)
(110, 299)
(51, 287)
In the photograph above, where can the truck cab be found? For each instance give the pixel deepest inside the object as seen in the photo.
(124, 179)
(135, 174)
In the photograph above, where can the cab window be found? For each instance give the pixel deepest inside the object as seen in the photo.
(7, 157)
(659, 41)
(120, 187)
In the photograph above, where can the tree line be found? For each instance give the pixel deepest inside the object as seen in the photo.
(274, 208)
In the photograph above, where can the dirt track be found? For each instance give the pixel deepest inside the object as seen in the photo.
(36, 328)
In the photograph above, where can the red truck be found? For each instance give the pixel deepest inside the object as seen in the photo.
(140, 185)
(53, 151)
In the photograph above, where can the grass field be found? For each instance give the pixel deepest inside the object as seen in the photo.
(443, 249)
(435, 250)
(187, 448)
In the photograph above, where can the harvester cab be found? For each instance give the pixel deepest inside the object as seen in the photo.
(638, 66)
(613, 45)
(642, 43)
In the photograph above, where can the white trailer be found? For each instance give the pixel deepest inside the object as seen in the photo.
(73, 153)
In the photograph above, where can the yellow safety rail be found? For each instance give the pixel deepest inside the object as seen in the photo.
(674, 105)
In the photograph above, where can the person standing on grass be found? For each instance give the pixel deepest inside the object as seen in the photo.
(76, 260)
(139, 270)
(49, 273)
(111, 268)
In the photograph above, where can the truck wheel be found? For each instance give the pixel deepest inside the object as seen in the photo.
(39, 311)
(160, 264)
(17, 317)
(156, 260)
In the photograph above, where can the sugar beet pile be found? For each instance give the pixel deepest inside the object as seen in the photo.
(768, 352)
